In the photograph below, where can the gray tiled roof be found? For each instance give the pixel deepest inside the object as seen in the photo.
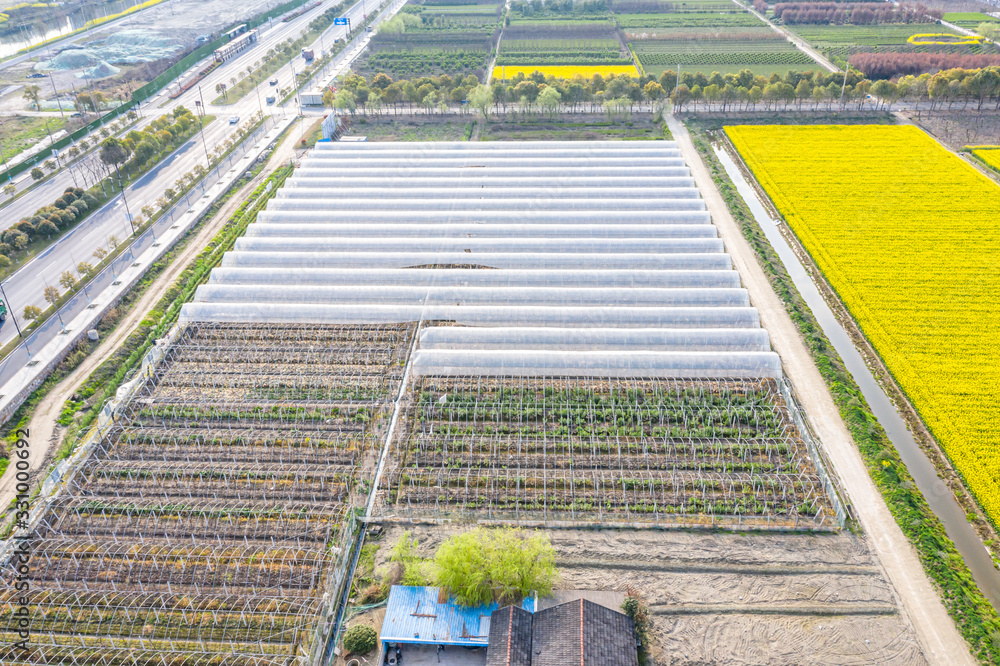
(510, 637)
(576, 632)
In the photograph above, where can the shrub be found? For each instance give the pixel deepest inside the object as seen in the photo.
(4, 261)
(360, 639)
(503, 565)
(61, 202)
(25, 227)
(90, 200)
(67, 216)
(404, 554)
(5, 249)
(18, 239)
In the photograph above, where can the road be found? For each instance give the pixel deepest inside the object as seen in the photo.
(801, 44)
(26, 286)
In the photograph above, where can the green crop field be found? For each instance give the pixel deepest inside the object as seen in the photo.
(635, 22)
(839, 42)
(968, 19)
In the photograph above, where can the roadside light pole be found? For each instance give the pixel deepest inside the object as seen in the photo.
(121, 188)
(201, 130)
(10, 308)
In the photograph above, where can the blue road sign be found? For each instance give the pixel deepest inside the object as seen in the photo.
(340, 21)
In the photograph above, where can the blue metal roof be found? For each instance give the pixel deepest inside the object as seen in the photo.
(413, 615)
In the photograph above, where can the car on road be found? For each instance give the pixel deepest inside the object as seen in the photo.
(274, 82)
(36, 75)
(269, 100)
(233, 120)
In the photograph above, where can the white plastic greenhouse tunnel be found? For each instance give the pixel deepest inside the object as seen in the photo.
(529, 259)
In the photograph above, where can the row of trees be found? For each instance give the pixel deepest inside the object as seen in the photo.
(854, 13)
(741, 91)
(893, 65)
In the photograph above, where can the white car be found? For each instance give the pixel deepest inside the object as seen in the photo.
(233, 120)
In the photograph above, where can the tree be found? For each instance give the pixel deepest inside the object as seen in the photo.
(10, 189)
(653, 91)
(50, 294)
(67, 280)
(37, 174)
(85, 268)
(636, 608)
(48, 228)
(100, 253)
(360, 639)
(481, 98)
(346, 101)
(503, 565)
(32, 312)
(549, 99)
(32, 95)
(50, 165)
(114, 152)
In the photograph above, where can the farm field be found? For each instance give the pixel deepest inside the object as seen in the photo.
(991, 156)
(436, 37)
(705, 37)
(604, 451)
(902, 260)
(562, 42)
(206, 526)
(969, 20)
(839, 42)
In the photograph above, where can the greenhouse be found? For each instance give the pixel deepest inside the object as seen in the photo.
(535, 334)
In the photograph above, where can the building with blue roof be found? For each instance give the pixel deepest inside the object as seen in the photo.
(420, 616)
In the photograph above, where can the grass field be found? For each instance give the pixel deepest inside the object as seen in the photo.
(990, 156)
(18, 133)
(968, 19)
(839, 42)
(907, 239)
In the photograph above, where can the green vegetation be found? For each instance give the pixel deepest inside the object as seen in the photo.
(638, 610)
(504, 565)
(360, 639)
(572, 129)
(976, 619)
(434, 37)
(18, 133)
(413, 129)
(970, 20)
(123, 161)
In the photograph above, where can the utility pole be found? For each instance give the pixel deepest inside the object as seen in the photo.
(10, 308)
(52, 81)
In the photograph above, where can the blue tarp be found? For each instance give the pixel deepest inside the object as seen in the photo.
(413, 615)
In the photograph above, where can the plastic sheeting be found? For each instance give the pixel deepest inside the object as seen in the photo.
(517, 363)
(499, 260)
(464, 295)
(532, 259)
(472, 246)
(489, 216)
(469, 230)
(595, 339)
(475, 277)
(475, 315)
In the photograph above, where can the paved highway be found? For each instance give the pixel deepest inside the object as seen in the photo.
(26, 286)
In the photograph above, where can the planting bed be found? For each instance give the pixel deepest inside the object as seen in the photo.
(701, 37)
(436, 37)
(206, 525)
(603, 451)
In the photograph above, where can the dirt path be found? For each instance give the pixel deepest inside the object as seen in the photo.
(800, 43)
(46, 434)
(939, 638)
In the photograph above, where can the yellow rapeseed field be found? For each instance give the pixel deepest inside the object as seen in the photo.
(989, 155)
(564, 71)
(909, 236)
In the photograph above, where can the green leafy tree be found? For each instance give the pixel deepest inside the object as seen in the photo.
(50, 294)
(32, 312)
(504, 565)
(32, 95)
(67, 280)
(37, 174)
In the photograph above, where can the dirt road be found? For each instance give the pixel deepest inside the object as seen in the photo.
(939, 638)
(46, 434)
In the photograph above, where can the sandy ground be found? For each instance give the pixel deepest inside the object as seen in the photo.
(46, 434)
(734, 598)
(938, 636)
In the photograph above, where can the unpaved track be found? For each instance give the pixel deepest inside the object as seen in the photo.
(939, 638)
(45, 433)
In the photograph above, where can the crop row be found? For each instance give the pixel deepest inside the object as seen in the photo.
(633, 22)
(745, 58)
(565, 58)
